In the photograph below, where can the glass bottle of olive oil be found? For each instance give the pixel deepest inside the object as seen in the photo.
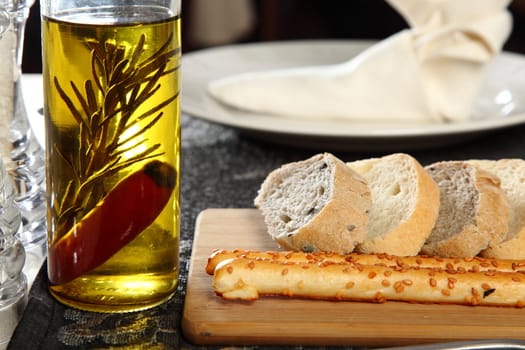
(111, 90)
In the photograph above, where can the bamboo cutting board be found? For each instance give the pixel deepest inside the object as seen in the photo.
(207, 319)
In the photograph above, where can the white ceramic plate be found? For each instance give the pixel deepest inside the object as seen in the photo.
(498, 105)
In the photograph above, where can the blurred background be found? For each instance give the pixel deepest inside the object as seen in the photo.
(208, 23)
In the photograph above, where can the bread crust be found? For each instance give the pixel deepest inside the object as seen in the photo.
(488, 227)
(340, 224)
(407, 238)
(246, 279)
(513, 248)
(511, 169)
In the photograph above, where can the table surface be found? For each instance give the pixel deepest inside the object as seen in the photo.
(221, 168)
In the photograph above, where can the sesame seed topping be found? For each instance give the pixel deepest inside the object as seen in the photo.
(380, 298)
(488, 292)
(398, 287)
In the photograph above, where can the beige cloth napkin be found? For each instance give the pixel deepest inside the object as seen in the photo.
(430, 72)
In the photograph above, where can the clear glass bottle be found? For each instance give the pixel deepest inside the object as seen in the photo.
(112, 114)
(22, 154)
(13, 283)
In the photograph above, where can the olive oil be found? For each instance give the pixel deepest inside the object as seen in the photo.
(111, 91)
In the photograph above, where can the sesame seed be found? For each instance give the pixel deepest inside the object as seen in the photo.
(380, 298)
(398, 287)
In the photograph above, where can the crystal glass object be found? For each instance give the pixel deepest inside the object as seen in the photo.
(13, 284)
(22, 154)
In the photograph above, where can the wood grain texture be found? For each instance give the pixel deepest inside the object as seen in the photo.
(207, 319)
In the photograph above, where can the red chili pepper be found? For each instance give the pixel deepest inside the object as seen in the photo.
(126, 211)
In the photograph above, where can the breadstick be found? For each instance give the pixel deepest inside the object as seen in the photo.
(246, 279)
(457, 264)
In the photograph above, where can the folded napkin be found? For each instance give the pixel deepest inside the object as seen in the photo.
(430, 72)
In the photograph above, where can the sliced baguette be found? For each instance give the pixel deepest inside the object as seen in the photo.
(474, 210)
(405, 204)
(318, 204)
(512, 175)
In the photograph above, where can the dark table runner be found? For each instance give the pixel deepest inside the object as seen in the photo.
(220, 169)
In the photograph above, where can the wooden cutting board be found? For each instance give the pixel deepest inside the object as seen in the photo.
(208, 319)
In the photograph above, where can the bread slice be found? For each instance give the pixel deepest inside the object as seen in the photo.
(317, 204)
(405, 204)
(474, 211)
(511, 172)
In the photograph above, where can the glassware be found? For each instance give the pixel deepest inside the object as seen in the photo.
(13, 283)
(22, 154)
(111, 92)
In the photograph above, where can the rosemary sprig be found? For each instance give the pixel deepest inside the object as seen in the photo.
(125, 81)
